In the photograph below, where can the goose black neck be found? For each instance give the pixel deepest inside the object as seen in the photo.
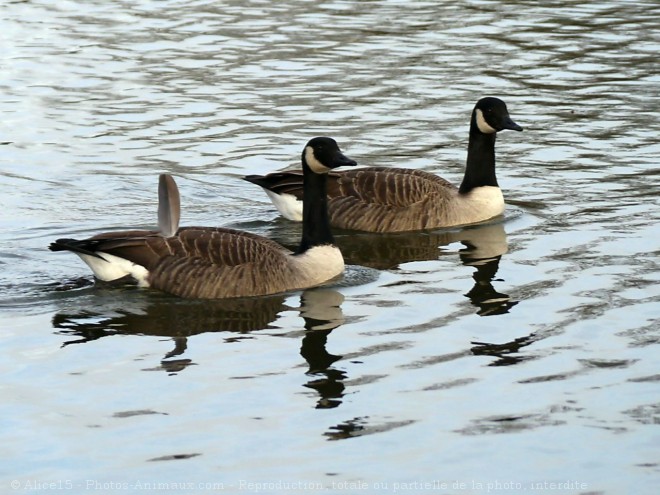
(316, 222)
(480, 167)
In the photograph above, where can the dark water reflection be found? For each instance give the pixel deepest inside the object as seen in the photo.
(178, 319)
(507, 353)
(321, 310)
(163, 316)
(482, 248)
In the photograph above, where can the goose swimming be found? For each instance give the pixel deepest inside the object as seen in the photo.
(379, 199)
(205, 262)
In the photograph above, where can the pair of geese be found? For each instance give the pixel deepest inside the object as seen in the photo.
(204, 262)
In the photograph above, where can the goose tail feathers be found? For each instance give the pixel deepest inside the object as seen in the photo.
(75, 246)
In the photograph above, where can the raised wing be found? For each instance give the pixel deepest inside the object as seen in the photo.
(169, 205)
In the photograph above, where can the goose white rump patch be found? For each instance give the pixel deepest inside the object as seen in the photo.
(288, 205)
(113, 268)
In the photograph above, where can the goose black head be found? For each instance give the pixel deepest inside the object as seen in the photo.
(490, 116)
(322, 154)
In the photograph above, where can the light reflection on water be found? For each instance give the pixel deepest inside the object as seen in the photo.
(520, 351)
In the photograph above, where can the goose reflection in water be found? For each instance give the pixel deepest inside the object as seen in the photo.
(179, 319)
(484, 246)
(161, 315)
(321, 310)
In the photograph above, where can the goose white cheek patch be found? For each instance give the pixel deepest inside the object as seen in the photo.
(484, 126)
(313, 163)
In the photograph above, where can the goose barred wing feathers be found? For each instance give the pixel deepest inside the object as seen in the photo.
(375, 199)
(387, 199)
(199, 262)
(220, 263)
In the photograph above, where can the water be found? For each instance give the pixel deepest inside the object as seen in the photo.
(515, 357)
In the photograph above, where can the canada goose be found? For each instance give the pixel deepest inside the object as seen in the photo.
(204, 262)
(378, 199)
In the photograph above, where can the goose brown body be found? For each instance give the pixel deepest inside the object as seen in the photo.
(377, 199)
(387, 199)
(380, 199)
(399, 199)
(202, 262)
(206, 262)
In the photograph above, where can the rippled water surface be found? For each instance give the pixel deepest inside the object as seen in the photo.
(514, 357)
